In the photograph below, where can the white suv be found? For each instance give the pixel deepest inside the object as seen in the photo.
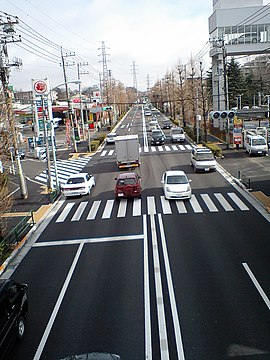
(202, 159)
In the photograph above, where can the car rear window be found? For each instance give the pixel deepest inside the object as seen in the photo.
(122, 182)
(78, 180)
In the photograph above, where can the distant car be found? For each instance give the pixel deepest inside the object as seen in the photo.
(177, 134)
(176, 185)
(110, 139)
(147, 112)
(166, 124)
(13, 313)
(78, 184)
(202, 159)
(157, 137)
(128, 185)
(93, 356)
(153, 124)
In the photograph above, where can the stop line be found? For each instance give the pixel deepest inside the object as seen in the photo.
(151, 205)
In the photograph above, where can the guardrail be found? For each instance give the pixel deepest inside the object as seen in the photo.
(8, 243)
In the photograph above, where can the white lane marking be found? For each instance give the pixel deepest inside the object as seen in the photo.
(93, 211)
(151, 206)
(111, 152)
(79, 211)
(137, 204)
(181, 207)
(108, 209)
(160, 148)
(257, 285)
(140, 150)
(189, 147)
(163, 340)
(146, 148)
(174, 147)
(167, 148)
(147, 305)
(181, 147)
(166, 207)
(209, 203)
(238, 201)
(175, 316)
(104, 152)
(122, 208)
(153, 149)
(224, 203)
(195, 205)
(57, 305)
(65, 212)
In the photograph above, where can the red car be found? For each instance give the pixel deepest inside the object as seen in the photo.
(128, 185)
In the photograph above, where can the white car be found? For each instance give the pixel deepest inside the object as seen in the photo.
(202, 159)
(176, 185)
(110, 139)
(177, 134)
(78, 184)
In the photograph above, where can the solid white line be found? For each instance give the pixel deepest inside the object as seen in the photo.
(195, 205)
(226, 206)
(176, 323)
(79, 211)
(209, 203)
(166, 207)
(238, 201)
(163, 339)
(57, 305)
(147, 305)
(257, 285)
(122, 208)
(181, 207)
(93, 211)
(151, 206)
(137, 204)
(108, 209)
(65, 212)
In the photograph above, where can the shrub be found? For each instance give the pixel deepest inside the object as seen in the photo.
(94, 145)
(217, 151)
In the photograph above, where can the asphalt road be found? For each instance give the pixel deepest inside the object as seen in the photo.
(151, 279)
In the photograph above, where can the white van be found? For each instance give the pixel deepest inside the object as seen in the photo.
(153, 125)
(255, 144)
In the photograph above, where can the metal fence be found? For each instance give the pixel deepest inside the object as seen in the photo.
(16, 235)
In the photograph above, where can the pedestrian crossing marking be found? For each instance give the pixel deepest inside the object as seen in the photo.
(108, 209)
(79, 211)
(224, 203)
(160, 148)
(153, 149)
(111, 152)
(213, 203)
(209, 203)
(93, 211)
(167, 148)
(174, 147)
(181, 147)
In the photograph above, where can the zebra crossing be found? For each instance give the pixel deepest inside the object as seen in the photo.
(64, 169)
(87, 210)
(152, 149)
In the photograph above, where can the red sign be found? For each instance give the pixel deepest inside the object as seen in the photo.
(237, 140)
(40, 87)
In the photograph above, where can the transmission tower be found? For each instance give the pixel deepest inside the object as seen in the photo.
(104, 70)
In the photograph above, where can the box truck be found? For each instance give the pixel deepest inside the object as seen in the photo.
(127, 151)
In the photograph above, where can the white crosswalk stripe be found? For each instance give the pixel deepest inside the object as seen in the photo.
(200, 203)
(64, 169)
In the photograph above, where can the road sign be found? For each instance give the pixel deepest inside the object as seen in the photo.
(40, 87)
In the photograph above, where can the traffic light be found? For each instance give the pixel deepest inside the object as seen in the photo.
(226, 114)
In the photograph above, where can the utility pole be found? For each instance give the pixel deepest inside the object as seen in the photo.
(8, 32)
(203, 104)
(70, 109)
(80, 93)
(181, 78)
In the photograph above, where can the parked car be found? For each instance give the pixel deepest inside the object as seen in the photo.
(177, 134)
(202, 159)
(128, 185)
(176, 185)
(78, 184)
(157, 137)
(13, 313)
(110, 139)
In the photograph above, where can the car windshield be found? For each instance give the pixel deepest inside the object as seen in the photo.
(157, 133)
(77, 180)
(204, 156)
(259, 142)
(177, 131)
(177, 179)
(122, 182)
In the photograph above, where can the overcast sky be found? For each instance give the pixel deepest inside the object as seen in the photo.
(155, 34)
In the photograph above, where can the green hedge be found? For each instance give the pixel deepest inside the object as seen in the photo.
(217, 151)
(94, 145)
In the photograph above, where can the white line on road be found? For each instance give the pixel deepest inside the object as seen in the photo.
(238, 201)
(65, 212)
(94, 209)
(176, 324)
(163, 339)
(79, 211)
(257, 285)
(57, 305)
(147, 304)
(108, 209)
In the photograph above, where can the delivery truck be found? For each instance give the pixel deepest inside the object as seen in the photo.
(127, 151)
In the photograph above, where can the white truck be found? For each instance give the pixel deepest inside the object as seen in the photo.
(127, 151)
